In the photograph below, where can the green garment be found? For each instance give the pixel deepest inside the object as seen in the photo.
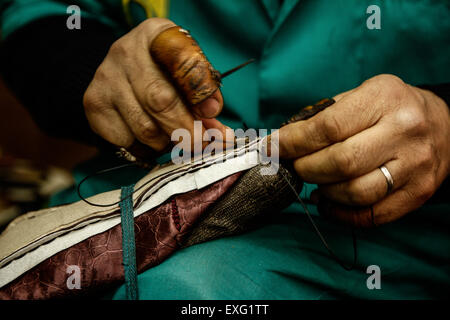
(305, 50)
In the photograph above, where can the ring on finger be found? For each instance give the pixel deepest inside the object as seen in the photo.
(389, 179)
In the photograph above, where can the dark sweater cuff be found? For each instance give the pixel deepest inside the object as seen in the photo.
(49, 67)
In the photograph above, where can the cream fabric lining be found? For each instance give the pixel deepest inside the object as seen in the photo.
(36, 236)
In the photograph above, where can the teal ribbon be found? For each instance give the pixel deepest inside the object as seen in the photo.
(128, 243)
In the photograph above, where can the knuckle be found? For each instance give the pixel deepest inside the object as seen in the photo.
(332, 128)
(395, 89)
(344, 163)
(427, 188)
(416, 96)
(308, 131)
(293, 141)
(101, 75)
(91, 100)
(358, 194)
(391, 79)
(426, 155)
(120, 48)
(388, 80)
(88, 99)
(387, 85)
(95, 100)
(412, 121)
(147, 131)
(160, 97)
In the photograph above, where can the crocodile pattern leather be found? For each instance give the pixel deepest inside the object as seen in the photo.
(159, 232)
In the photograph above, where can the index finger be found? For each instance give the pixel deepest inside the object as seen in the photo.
(351, 114)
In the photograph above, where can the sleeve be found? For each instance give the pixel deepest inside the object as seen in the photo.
(48, 67)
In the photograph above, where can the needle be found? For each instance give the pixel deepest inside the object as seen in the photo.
(225, 74)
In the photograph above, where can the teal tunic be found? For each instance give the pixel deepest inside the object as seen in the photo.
(305, 51)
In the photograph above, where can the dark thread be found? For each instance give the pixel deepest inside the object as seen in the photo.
(177, 225)
(324, 242)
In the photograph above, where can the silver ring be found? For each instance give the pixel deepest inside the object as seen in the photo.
(389, 179)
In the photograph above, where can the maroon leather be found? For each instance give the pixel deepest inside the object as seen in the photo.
(159, 232)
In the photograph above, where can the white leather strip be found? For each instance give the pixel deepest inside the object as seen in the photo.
(36, 228)
(172, 180)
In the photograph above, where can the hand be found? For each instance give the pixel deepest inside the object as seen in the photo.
(382, 122)
(130, 98)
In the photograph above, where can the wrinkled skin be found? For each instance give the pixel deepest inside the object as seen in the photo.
(382, 122)
(130, 97)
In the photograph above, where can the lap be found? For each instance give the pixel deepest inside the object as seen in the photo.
(285, 260)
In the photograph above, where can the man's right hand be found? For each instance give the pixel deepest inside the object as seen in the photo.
(131, 98)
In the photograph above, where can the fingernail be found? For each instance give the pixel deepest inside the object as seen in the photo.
(209, 108)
